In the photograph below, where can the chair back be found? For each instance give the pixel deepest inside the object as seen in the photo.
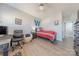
(18, 34)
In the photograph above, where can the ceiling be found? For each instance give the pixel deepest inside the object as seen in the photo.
(33, 8)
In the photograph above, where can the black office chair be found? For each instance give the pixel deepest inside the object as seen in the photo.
(17, 38)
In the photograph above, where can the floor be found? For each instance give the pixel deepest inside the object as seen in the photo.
(42, 47)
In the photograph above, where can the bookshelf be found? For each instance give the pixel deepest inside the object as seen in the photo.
(76, 37)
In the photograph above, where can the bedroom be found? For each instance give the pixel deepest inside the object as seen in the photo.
(52, 17)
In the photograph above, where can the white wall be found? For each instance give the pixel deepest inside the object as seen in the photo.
(51, 13)
(8, 15)
(49, 19)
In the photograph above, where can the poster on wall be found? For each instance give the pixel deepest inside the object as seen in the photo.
(18, 21)
(37, 22)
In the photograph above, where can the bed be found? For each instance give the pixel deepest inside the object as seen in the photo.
(50, 35)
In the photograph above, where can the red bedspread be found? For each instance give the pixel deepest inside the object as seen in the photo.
(51, 35)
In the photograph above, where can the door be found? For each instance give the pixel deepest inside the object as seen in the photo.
(69, 29)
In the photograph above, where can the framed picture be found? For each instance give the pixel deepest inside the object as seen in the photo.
(18, 21)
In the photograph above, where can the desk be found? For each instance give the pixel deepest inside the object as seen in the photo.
(5, 44)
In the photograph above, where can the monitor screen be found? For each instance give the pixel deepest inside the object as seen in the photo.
(3, 30)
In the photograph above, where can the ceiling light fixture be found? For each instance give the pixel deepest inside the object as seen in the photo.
(41, 7)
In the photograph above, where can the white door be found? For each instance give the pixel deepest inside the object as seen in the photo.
(69, 29)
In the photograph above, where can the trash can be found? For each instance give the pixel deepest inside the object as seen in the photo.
(5, 49)
(28, 38)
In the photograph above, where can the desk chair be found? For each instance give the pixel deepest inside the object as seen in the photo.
(17, 38)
